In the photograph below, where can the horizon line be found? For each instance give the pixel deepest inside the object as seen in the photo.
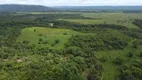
(74, 5)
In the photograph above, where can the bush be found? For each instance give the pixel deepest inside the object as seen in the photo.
(44, 42)
(57, 41)
(26, 42)
(40, 35)
(40, 39)
(103, 59)
(140, 54)
(130, 54)
(64, 33)
(53, 44)
(118, 61)
(34, 30)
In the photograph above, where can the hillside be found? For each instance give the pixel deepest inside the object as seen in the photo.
(24, 8)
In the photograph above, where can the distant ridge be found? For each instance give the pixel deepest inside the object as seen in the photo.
(40, 8)
(89, 8)
(25, 8)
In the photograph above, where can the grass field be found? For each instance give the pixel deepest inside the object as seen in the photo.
(111, 70)
(47, 37)
(124, 19)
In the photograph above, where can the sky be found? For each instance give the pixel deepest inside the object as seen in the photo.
(75, 2)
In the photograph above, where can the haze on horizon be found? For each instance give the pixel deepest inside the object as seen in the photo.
(76, 2)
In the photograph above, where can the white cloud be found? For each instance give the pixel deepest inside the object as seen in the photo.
(74, 2)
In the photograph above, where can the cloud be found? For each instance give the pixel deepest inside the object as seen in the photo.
(74, 2)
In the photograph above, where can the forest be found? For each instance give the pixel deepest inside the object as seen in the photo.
(37, 46)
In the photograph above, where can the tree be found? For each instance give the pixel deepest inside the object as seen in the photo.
(40, 39)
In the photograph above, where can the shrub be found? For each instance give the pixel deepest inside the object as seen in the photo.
(40, 39)
(130, 54)
(118, 61)
(140, 54)
(34, 30)
(53, 44)
(40, 35)
(102, 59)
(44, 42)
(26, 42)
(57, 41)
(64, 33)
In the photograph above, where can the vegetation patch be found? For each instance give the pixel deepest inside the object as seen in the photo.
(47, 37)
(115, 59)
(85, 21)
(125, 19)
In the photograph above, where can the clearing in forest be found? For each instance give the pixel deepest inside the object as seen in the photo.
(47, 37)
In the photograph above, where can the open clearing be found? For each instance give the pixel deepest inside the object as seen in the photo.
(47, 37)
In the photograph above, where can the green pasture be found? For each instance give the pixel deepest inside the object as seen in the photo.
(47, 37)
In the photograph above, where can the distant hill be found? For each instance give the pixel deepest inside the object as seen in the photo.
(39, 8)
(93, 8)
(25, 8)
